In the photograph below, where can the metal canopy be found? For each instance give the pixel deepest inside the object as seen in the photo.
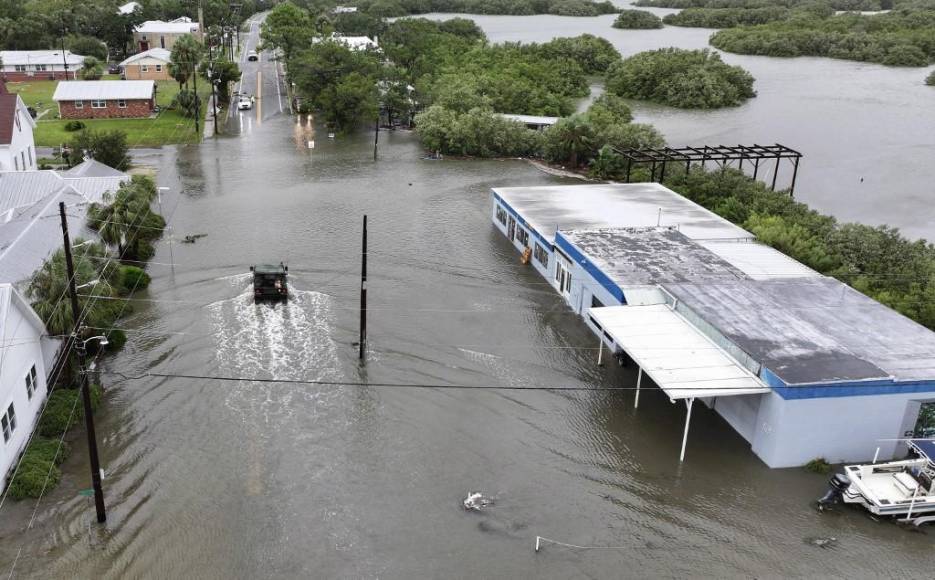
(682, 361)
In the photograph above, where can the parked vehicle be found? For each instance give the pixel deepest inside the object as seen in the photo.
(269, 282)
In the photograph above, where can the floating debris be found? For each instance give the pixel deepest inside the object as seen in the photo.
(476, 501)
(191, 239)
(822, 542)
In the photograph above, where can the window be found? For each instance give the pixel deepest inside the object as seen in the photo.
(8, 421)
(144, 68)
(16, 162)
(595, 303)
(79, 104)
(29, 152)
(42, 67)
(162, 41)
(568, 282)
(501, 215)
(541, 255)
(121, 103)
(16, 118)
(523, 236)
(158, 68)
(31, 382)
(19, 68)
(98, 104)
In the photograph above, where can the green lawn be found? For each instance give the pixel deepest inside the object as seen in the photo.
(167, 127)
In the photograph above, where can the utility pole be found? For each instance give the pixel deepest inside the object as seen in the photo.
(214, 97)
(195, 81)
(363, 296)
(82, 364)
(64, 57)
(376, 138)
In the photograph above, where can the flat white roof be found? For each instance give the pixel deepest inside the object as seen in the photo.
(757, 260)
(615, 205)
(531, 119)
(160, 27)
(676, 356)
(27, 57)
(89, 90)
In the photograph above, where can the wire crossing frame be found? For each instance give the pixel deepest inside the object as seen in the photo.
(722, 155)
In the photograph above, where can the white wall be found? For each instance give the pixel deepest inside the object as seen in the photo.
(21, 348)
(22, 146)
(840, 429)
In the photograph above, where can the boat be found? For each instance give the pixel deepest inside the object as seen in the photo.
(904, 488)
(269, 282)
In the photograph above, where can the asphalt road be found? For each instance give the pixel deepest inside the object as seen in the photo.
(262, 79)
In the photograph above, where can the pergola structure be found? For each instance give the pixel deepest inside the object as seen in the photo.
(723, 155)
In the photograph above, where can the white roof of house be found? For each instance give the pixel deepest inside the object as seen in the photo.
(758, 261)
(355, 42)
(531, 119)
(89, 90)
(29, 57)
(160, 27)
(615, 205)
(154, 53)
(129, 7)
(675, 355)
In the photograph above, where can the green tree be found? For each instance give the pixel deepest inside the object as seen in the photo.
(350, 100)
(930, 80)
(221, 72)
(91, 69)
(569, 140)
(186, 54)
(287, 28)
(107, 147)
(637, 19)
(87, 46)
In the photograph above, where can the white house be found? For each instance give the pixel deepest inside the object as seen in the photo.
(26, 65)
(160, 34)
(27, 355)
(17, 147)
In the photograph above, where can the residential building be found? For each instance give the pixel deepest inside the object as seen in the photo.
(17, 146)
(30, 230)
(159, 34)
(105, 99)
(537, 122)
(799, 364)
(27, 65)
(129, 8)
(152, 64)
(27, 355)
(357, 43)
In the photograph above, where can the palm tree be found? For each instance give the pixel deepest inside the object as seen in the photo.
(91, 69)
(186, 54)
(571, 137)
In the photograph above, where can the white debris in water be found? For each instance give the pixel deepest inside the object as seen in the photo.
(476, 501)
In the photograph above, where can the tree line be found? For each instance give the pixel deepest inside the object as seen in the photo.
(396, 8)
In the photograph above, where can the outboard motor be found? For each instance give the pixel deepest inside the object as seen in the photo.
(837, 485)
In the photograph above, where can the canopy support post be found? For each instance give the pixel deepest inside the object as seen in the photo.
(688, 418)
(639, 379)
(600, 351)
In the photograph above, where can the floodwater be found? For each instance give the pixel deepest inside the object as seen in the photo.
(248, 479)
(867, 132)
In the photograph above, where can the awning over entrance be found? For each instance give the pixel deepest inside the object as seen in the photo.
(681, 360)
(678, 358)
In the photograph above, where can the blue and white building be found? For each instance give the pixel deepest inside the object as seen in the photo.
(799, 364)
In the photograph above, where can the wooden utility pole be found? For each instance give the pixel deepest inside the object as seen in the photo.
(363, 295)
(82, 364)
(376, 139)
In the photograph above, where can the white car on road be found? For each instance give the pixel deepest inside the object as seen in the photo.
(244, 104)
(252, 55)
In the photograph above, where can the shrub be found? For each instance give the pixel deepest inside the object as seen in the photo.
(818, 465)
(696, 79)
(116, 338)
(74, 125)
(64, 409)
(930, 80)
(35, 474)
(186, 102)
(637, 19)
(133, 278)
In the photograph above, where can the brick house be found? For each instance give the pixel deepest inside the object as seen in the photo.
(44, 65)
(150, 65)
(105, 99)
(159, 34)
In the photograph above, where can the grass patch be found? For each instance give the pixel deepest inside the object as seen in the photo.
(40, 461)
(168, 127)
(818, 465)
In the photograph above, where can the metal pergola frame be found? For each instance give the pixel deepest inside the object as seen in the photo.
(720, 154)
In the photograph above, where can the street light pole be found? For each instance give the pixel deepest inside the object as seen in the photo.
(82, 364)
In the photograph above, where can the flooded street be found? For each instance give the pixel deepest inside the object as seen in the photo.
(315, 475)
(215, 479)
